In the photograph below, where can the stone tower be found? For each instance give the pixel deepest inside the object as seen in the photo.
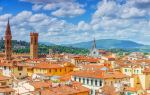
(8, 43)
(33, 45)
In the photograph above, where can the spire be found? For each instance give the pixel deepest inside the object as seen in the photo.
(8, 30)
(94, 44)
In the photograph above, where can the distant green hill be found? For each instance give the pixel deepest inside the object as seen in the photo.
(24, 47)
(108, 44)
(79, 48)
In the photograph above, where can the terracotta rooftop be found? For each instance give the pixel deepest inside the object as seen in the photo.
(89, 73)
(2, 90)
(99, 74)
(132, 89)
(48, 65)
(4, 78)
(40, 84)
(92, 66)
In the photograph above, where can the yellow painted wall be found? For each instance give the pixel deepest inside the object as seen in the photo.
(17, 72)
(52, 71)
(147, 81)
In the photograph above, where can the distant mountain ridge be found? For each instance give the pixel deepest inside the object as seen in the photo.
(130, 46)
(47, 43)
(107, 44)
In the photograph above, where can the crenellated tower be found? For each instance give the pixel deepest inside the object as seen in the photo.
(8, 42)
(33, 45)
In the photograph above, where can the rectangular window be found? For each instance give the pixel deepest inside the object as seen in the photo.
(91, 82)
(3, 83)
(19, 74)
(74, 78)
(111, 82)
(4, 67)
(100, 83)
(87, 81)
(20, 68)
(95, 82)
(50, 70)
(83, 81)
(79, 79)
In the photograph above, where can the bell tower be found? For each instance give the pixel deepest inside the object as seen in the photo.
(8, 43)
(33, 45)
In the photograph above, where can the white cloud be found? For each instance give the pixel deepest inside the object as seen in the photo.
(36, 7)
(5, 17)
(37, 17)
(50, 6)
(106, 9)
(65, 9)
(21, 17)
(115, 10)
(127, 21)
(110, 20)
(59, 8)
(25, 22)
(70, 13)
(83, 26)
(132, 12)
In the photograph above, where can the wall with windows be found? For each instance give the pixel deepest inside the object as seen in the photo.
(92, 83)
(52, 71)
(20, 71)
(6, 71)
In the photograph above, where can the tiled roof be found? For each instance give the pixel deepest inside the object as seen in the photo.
(89, 73)
(69, 90)
(40, 84)
(92, 66)
(3, 90)
(99, 74)
(4, 78)
(6, 64)
(47, 65)
(132, 89)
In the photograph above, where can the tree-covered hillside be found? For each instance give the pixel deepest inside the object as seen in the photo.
(24, 47)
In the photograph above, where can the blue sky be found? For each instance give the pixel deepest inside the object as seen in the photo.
(72, 21)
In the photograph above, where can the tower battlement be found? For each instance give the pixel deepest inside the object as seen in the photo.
(34, 34)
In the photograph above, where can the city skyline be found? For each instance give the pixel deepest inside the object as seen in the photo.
(73, 21)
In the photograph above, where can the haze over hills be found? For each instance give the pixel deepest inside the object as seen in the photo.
(47, 43)
(102, 43)
(107, 44)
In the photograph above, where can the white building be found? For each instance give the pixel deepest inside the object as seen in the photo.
(94, 52)
(96, 80)
(92, 82)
